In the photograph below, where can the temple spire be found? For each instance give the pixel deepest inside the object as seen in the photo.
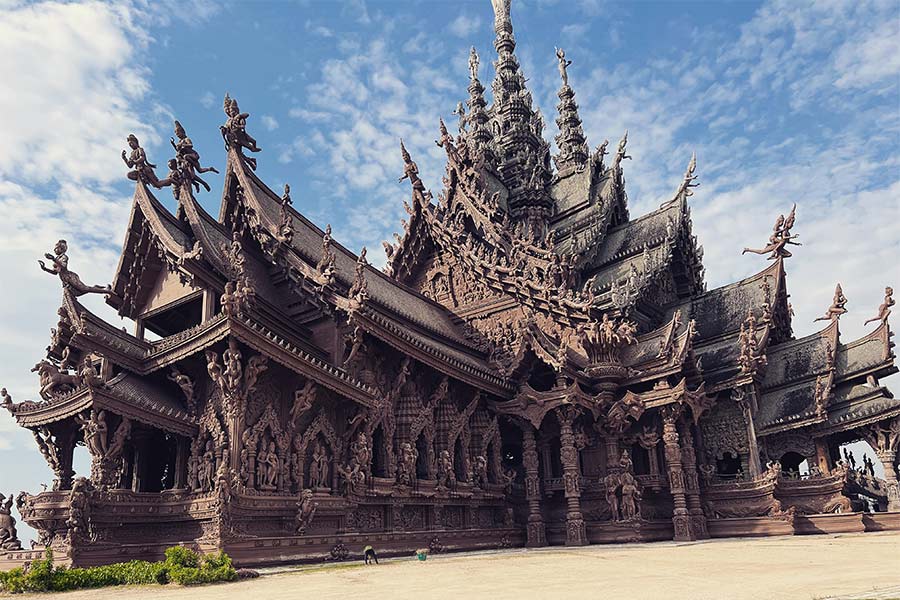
(480, 136)
(523, 156)
(573, 148)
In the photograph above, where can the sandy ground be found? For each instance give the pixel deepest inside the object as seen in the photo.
(847, 566)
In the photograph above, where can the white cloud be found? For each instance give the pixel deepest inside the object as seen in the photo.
(465, 26)
(208, 99)
(269, 122)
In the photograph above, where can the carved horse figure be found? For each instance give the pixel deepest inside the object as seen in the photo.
(53, 381)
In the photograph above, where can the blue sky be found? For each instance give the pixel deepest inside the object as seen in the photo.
(783, 102)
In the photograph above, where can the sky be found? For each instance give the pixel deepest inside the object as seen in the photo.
(783, 101)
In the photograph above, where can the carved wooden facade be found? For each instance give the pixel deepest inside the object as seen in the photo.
(533, 366)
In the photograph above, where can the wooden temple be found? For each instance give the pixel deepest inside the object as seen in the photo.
(534, 366)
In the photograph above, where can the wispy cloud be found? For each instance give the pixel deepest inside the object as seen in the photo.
(465, 26)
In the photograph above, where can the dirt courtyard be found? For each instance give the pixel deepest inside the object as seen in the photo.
(803, 567)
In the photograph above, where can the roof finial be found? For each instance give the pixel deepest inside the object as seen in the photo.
(780, 238)
(563, 65)
(684, 190)
(884, 311)
(837, 307)
(473, 64)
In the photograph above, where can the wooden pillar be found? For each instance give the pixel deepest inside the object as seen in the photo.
(887, 458)
(692, 482)
(681, 519)
(65, 452)
(209, 305)
(752, 466)
(139, 328)
(822, 458)
(536, 532)
(576, 534)
(137, 465)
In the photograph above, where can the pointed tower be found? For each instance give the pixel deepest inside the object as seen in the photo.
(573, 148)
(480, 138)
(523, 156)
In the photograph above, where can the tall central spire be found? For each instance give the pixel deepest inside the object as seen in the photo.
(523, 156)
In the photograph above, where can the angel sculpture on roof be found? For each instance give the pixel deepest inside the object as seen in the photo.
(780, 238)
(884, 310)
(837, 308)
(410, 170)
(234, 131)
(189, 159)
(142, 169)
(70, 279)
(563, 65)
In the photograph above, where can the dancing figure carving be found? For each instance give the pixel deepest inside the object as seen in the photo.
(780, 238)
(70, 279)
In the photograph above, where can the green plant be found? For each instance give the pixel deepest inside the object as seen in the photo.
(182, 566)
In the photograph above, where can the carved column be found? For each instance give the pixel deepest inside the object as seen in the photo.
(576, 535)
(65, 452)
(536, 533)
(681, 519)
(747, 402)
(887, 458)
(692, 482)
(613, 454)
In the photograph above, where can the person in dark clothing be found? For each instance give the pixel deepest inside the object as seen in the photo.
(369, 554)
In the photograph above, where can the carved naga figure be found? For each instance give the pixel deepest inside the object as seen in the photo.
(70, 280)
(234, 131)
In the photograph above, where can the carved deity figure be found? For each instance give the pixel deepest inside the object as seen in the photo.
(780, 238)
(473, 64)
(95, 432)
(445, 474)
(9, 537)
(185, 384)
(599, 153)
(306, 510)
(478, 476)
(631, 496)
(70, 279)
(838, 306)
(410, 170)
(563, 65)
(231, 358)
(142, 169)
(604, 341)
(318, 468)
(207, 468)
(189, 159)
(6, 399)
(174, 178)
(267, 467)
(446, 140)
(234, 131)
(79, 521)
(884, 310)
(406, 464)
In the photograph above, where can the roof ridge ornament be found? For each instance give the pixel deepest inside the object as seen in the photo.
(780, 238)
(71, 282)
(142, 169)
(685, 189)
(502, 21)
(884, 310)
(234, 131)
(838, 306)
